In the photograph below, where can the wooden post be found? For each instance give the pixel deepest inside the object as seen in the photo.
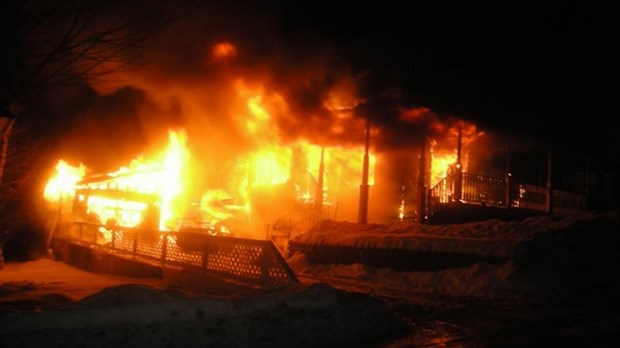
(586, 184)
(458, 180)
(164, 248)
(95, 233)
(205, 254)
(549, 184)
(319, 186)
(421, 183)
(135, 243)
(507, 178)
(264, 266)
(363, 203)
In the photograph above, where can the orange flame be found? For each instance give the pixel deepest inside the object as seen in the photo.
(155, 184)
(444, 151)
(264, 164)
(222, 51)
(62, 184)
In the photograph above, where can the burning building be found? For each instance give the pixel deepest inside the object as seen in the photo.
(259, 148)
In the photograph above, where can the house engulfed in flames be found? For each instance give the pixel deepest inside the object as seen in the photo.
(273, 188)
(281, 189)
(255, 168)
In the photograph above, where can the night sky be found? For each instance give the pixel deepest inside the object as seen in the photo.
(547, 71)
(541, 76)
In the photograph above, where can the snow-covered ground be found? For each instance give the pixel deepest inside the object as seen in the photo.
(48, 303)
(494, 238)
(554, 255)
(481, 280)
(554, 258)
(559, 287)
(565, 256)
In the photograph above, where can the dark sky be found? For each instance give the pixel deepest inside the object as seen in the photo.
(544, 73)
(541, 70)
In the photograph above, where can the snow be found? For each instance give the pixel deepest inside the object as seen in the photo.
(481, 280)
(49, 303)
(554, 256)
(493, 238)
(45, 277)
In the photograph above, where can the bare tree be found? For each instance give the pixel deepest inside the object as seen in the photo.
(51, 44)
(63, 42)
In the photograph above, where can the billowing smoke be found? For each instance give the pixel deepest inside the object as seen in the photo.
(237, 80)
(302, 80)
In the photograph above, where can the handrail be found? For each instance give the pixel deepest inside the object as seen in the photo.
(254, 262)
(492, 191)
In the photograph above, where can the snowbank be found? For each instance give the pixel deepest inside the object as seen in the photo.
(558, 256)
(493, 238)
(481, 280)
(147, 315)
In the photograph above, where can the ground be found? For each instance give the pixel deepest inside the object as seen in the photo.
(558, 287)
(49, 303)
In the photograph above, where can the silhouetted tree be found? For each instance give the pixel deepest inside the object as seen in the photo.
(48, 45)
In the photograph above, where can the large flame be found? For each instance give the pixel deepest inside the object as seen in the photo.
(62, 184)
(444, 151)
(441, 161)
(128, 196)
(254, 139)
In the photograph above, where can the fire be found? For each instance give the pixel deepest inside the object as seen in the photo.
(146, 190)
(268, 167)
(62, 184)
(441, 163)
(265, 175)
(222, 51)
(159, 188)
(444, 152)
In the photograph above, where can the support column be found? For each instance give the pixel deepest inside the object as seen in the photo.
(421, 183)
(458, 180)
(318, 198)
(549, 184)
(507, 177)
(363, 203)
(586, 184)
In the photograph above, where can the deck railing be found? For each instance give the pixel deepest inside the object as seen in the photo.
(503, 192)
(253, 262)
